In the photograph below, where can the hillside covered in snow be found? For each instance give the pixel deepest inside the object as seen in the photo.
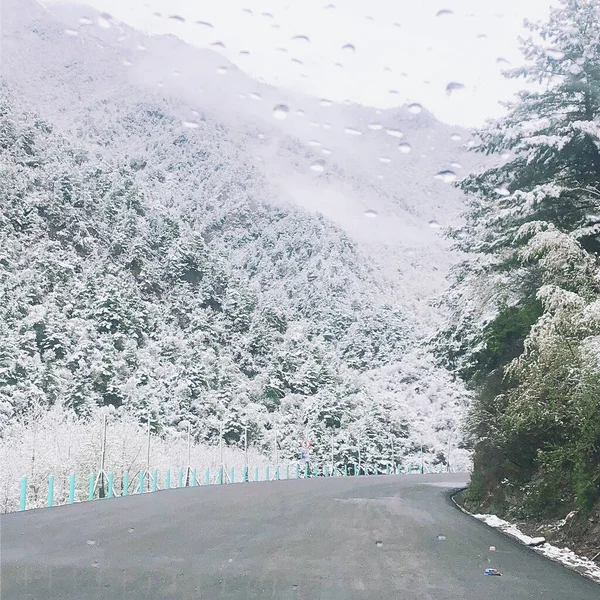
(182, 242)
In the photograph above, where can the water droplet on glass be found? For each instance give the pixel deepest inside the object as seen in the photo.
(205, 24)
(299, 112)
(254, 96)
(130, 530)
(325, 102)
(127, 62)
(141, 47)
(326, 125)
(176, 73)
(505, 155)
(502, 61)
(330, 7)
(385, 160)
(339, 64)
(434, 224)
(222, 70)
(267, 15)
(281, 111)
(191, 124)
(315, 143)
(297, 61)
(318, 166)
(404, 148)
(104, 20)
(454, 87)
(555, 54)
(502, 190)
(352, 131)
(482, 36)
(86, 21)
(415, 108)
(301, 38)
(394, 132)
(261, 136)
(445, 12)
(91, 542)
(456, 137)
(161, 84)
(177, 18)
(157, 15)
(441, 538)
(456, 165)
(314, 124)
(218, 44)
(446, 176)
(247, 11)
(575, 69)
(370, 214)
(375, 126)
(349, 47)
(326, 151)
(71, 32)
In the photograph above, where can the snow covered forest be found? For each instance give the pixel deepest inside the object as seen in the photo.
(149, 272)
(525, 327)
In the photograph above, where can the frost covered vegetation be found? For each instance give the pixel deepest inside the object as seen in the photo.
(526, 332)
(146, 270)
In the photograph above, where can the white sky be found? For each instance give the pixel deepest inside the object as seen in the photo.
(403, 50)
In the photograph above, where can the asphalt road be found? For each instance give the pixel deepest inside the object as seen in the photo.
(337, 538)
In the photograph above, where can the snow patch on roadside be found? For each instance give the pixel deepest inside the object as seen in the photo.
(562, 555)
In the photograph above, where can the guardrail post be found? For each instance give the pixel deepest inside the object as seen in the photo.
(155, 480)
(287, 472)
(141, 488)
(346, 470)
(277, 473)
(180, 478)
(267, 474)
(72, 488)
(297, 471)
(232, 475)
(168, 480)
(23, 499)
(125, 490)
(256, 474)
(325, 471)
(245, 475)
(110, 485)
(220, 476)
(91, 487)
(207, 476)
(305, 469)
(194, 478)
(51, 490)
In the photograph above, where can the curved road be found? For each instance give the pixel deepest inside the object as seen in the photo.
(337, 538)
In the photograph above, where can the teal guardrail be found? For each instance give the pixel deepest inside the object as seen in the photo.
(68, 490)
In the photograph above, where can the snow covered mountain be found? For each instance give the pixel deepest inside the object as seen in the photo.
(270, 252)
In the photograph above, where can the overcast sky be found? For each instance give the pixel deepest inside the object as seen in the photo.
(401, 50)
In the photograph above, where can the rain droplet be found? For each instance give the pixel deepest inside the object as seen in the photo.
(415, 108)
(218, 44)
(326, 151)
(505, 155)
(434, 224)
(191, 124)
(130, 530)
(177, 18)
(441, 538)
(392, 91)
(502, 190)
(315, 143)
(385, 160)
(375, 126)
(299, 112)
(482, 36)
(502, 61)
(160, 84)
(325, 102)
(205, 24)
(352, 131)
(404, 148)
(370, 214)
(318, 166)
(254, 96)
(297, 61)
(445, 12)
(446, 176)
(91, 542)
(314, 124)
(71, 32)
(394, 132)
(555, 54)
(261, 136)
(456, 165)
(141, 47)
(222, 70)
(281, 111)
(378, 543)
(176, 73)
(326, 125)
(244, 53)
(349, 47)
(330, 6)
(301, 38)
(575, 69)
(339, 64)
(247, 11)
(267, 15)
(86, 21)
(454, 87)
(127, 62)
(105, 20)
(456, 137)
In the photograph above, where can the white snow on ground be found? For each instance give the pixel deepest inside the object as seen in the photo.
(562, 555)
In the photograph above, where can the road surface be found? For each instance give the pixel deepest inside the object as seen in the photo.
(328, 539)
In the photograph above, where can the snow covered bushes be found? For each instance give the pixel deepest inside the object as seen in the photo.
(526, 307)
